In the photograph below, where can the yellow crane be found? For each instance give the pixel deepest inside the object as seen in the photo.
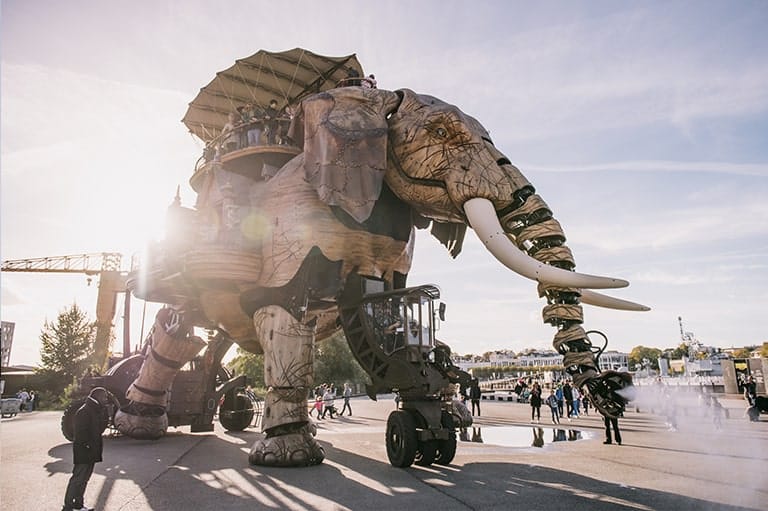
(105, 265)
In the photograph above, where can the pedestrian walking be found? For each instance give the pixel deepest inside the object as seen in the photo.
(346, 395)
(576, 401)
(328, 401)
(90, 423)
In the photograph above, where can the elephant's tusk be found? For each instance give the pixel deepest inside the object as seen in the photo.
(609, 302)
(482, 217)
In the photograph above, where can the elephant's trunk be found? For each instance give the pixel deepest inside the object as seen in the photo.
(528, 240)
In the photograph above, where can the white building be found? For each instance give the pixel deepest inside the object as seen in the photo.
(6, 341)
(614, 361)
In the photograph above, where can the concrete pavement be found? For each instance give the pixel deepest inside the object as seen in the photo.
(694, 468)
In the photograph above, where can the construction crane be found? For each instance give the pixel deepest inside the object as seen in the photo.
(105, 265)
(694, 346)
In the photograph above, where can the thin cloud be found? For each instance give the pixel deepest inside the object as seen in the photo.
(744, 169)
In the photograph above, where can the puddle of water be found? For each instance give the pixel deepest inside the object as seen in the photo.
(519, 436)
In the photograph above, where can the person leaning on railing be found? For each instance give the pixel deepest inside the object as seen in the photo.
(229, 136)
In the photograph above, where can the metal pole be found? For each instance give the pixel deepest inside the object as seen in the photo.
(127, 325)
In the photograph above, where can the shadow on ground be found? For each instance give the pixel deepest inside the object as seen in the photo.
(195, 479)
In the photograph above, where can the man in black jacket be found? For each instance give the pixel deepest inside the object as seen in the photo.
(568, 396)
(90, 423)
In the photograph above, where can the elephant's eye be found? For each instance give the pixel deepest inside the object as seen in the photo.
(441, 132)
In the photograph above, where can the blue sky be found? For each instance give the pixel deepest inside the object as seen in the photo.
(642, 124)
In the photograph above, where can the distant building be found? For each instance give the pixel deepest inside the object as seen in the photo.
(6, 342)
(609, 360)
(613, 361)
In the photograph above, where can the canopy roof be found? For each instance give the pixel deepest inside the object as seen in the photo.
(287, 76)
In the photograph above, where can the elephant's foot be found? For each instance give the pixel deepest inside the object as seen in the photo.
(143, 422)
(293, 447)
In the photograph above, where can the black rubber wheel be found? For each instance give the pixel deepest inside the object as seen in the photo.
(401, 439)
(426, 454)
(446, 449)
(68, 419)
(236, 412)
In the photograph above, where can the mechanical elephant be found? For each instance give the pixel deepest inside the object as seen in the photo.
(268, 251)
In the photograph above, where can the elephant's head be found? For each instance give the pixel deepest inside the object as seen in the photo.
(443, 164)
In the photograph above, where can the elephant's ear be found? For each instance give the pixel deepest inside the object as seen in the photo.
(450, 235)
(345, 146)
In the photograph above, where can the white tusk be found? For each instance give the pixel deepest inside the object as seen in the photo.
(609, 302)
(482, 217)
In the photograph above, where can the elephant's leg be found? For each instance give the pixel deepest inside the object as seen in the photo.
(537, 232)
(288, 370)
(171, 347)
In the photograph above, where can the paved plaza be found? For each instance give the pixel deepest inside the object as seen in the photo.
(696, 467)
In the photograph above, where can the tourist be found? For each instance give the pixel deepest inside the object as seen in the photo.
(474, 395)
(86, 447)
(369, 82)
(317, 406)
(535, 399)
(328, 401)
(576, 401)
(568, 397)
(750, 390)
(251, 119)
(553, 406)
(346, 395)
(270, 122)
(717, 413)
(611, 423)
(559, 397)
(229, 137)
(24, 396)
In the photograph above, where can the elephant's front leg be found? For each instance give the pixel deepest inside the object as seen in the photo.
(171, 346)
(288, 370)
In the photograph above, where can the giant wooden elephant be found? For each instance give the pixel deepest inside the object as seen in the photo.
(265, 255)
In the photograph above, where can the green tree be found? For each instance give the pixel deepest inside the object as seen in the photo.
(764, 350)
(67, 347)
(679, 352)
(743, 352)
(335, 364)
(639, 353)
(252, 366)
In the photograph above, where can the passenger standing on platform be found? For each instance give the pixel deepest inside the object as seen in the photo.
(535, 399)
(611, 422)
(474, 395)
(585, 403)
(229, 137)
(270, 122)
(369, 82)
(553, 406)
(86, 447)
(252, 124)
